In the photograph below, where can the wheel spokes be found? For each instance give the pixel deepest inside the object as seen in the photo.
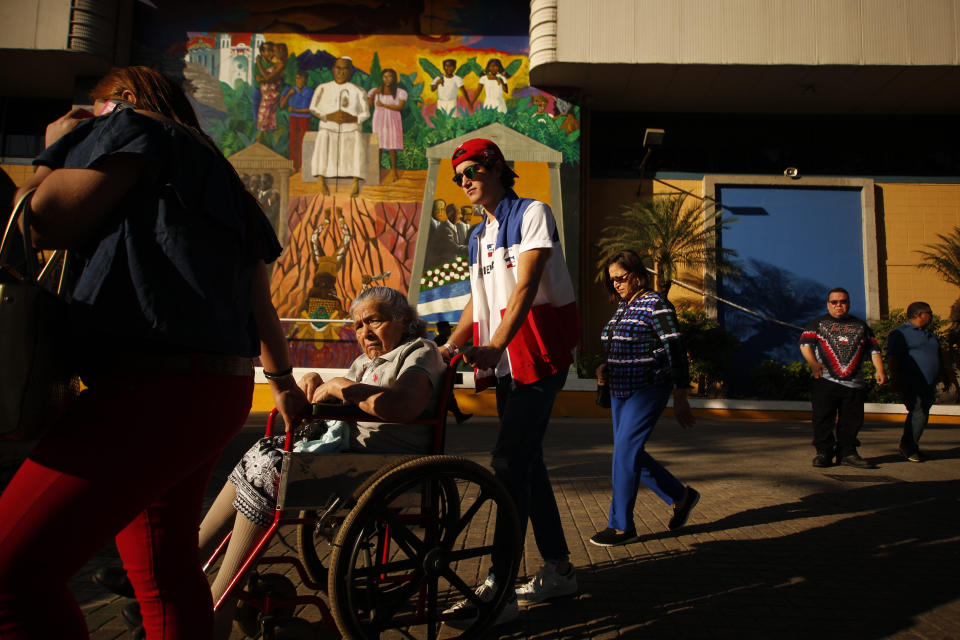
(416, 544)
(394, 566)
(466, 554)
(468, 515)
(387, 606)
(465, 590)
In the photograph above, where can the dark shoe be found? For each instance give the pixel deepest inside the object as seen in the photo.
(854, 460)
(914, 456)
(131, 615)
(610, 538)
(462, 417)
(114, 580)
(681, 511)
(823, 460)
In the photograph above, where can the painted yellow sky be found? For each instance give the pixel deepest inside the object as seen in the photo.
(403, 53)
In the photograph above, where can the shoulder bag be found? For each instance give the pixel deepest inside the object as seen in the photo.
(36, 381)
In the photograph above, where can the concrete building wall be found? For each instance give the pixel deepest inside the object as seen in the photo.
(749, 32)
(35, 24)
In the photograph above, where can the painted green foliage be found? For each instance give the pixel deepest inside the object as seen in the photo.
(519, 117)
(237, 130)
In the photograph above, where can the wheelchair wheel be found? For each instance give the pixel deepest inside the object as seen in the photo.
(399, 567)
(314, 540)
(293, 629)
(248, 617)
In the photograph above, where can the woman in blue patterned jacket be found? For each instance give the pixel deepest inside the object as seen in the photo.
(646, 362)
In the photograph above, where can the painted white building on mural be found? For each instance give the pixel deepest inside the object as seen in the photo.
(227, 62)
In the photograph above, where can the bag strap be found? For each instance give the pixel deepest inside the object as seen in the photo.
(22, 209)
(8, 230)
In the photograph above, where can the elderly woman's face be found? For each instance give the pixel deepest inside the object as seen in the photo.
(624, 283)
(377, 332)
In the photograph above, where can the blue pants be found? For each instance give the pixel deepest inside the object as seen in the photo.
(518, 463)
(633, 420)
(918, 401)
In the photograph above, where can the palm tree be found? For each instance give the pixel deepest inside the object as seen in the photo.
(670, 233)
(944, 257)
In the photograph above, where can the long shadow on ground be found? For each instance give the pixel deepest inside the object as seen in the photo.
(898, 546)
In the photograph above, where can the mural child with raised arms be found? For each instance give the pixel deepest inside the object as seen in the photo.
(446, 87)
(493, 85)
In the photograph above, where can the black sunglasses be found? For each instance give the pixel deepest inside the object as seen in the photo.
(470, 172)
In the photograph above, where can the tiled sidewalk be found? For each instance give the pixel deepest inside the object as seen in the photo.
(776, 548)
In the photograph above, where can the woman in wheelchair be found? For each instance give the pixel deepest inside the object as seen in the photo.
(396, 378)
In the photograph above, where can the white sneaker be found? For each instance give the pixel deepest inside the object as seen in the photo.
(467, 611)
(548, 584)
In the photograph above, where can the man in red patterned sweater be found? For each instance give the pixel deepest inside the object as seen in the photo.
(835, 346)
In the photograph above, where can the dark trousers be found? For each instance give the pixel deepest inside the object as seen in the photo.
(840, 407)
(130, 461)
(452, 405)
(918, 401)
(518, 463)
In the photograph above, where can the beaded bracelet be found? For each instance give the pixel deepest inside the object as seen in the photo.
(269, 375)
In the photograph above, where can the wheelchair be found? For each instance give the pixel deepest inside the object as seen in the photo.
(387, 543)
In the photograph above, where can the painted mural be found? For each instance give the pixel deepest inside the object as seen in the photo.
(345, 142)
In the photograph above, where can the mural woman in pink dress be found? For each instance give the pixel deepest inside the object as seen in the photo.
(269, 75)
(387, 102)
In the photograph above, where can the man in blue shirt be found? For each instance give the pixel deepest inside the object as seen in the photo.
(916, 364)
(297, 100)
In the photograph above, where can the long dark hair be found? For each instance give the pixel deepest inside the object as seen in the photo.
(396, 82)
(155, 92)
(499, 64)
(632, 264)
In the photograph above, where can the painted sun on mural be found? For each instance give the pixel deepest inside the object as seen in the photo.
(345, 142)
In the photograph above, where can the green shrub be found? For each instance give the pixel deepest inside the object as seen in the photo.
(709, 347)
(774, 380)
(588, 362)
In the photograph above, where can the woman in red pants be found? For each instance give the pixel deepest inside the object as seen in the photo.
(169, 303)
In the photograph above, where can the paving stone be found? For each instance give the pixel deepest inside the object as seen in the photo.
(776, 548)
